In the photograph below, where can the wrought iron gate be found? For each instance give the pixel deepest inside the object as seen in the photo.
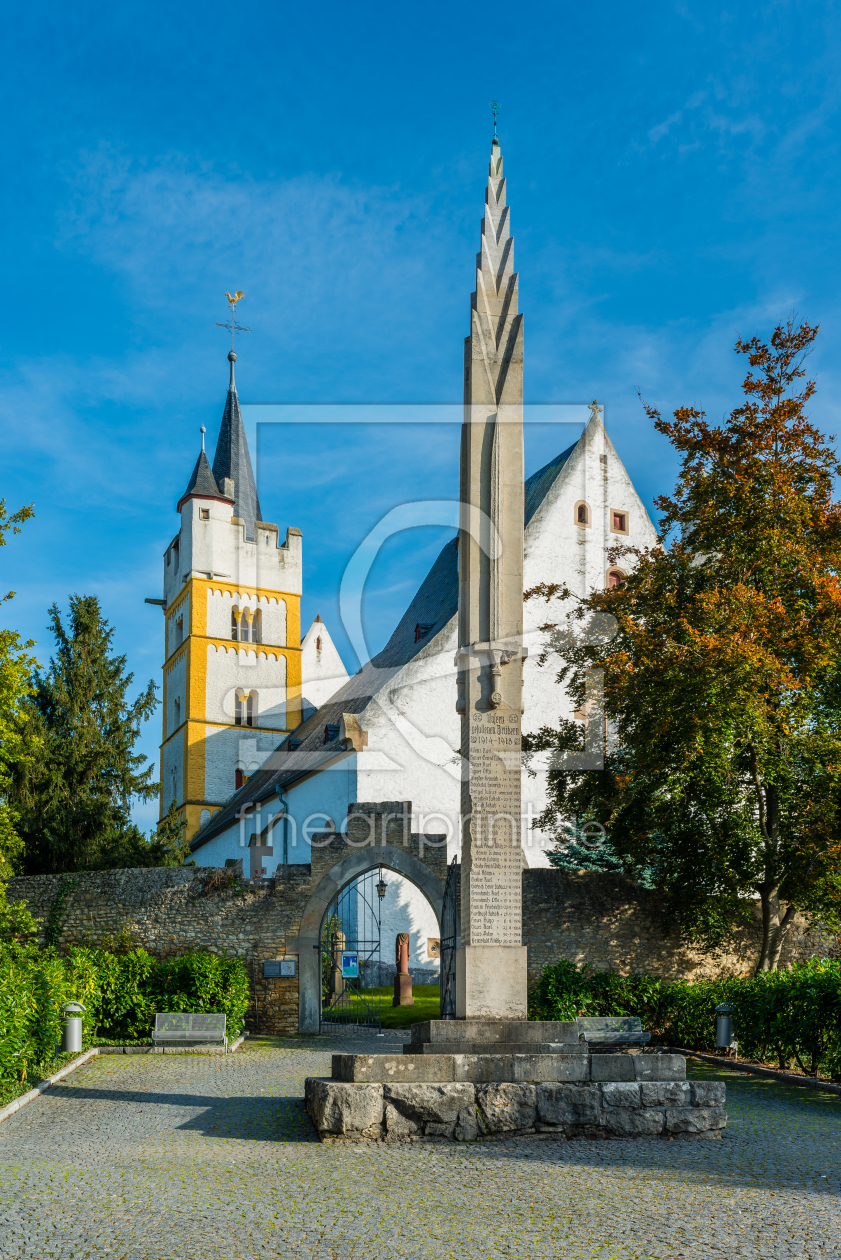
(450, 939)
(351, 975)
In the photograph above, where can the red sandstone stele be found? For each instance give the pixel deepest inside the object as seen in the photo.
(402, 981)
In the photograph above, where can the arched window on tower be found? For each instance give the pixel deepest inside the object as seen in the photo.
(615, 578)
(238, 708)
(234, 625)
(245, 626)
(257, 627)
(251, 709)
(318, 644)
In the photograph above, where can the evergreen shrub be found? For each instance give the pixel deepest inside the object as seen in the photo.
(791, 1016)
(121, 992)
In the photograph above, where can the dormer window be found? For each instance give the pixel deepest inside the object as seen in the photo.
(582, 514)
(204, 513)
(422, 629)
(292, 744)
(331, 732)
(618, 521)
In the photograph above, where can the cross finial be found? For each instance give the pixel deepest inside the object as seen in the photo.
(495, 112)
(595, 410)
(233, 326)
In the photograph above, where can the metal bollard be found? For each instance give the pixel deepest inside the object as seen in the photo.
(71, 1042)
(724, 1026)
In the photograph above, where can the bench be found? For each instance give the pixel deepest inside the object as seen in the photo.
(173, 1028)
(612, 1030)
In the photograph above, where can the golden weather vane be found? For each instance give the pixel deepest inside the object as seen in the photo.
(233, 326)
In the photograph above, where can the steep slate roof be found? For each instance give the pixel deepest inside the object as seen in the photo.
(202, 481)
(538, 485)
(233, 460)
(434, 605)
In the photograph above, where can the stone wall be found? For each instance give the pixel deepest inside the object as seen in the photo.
(168, 910)
(604, 920)
(611, 923)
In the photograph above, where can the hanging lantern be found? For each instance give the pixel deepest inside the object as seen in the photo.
(381, 887)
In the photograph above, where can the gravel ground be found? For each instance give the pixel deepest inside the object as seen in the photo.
(194, 1157)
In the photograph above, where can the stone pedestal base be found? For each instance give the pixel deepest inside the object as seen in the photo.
(492, 982)
(380, 1098)
(403, 990)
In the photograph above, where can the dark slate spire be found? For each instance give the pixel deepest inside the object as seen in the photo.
(202, 482)
(232, 459)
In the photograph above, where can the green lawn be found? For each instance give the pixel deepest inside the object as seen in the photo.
(427, 1005)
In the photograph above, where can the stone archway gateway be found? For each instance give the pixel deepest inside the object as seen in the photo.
(420, 859)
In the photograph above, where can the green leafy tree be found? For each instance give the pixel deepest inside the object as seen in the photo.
(73, 800)
(721, 663)
(16, 742)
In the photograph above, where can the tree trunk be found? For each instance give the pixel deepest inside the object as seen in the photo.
(775, 926)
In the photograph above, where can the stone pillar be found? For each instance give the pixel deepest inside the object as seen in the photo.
(491, 980)
(402, 981)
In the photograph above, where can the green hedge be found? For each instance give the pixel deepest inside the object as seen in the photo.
(120, 991)
(791, 1016)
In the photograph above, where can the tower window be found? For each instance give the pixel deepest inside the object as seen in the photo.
(257, 627)
(234, 626)
(618, 522)
(177, 713)
(615, 578)
(318, 644)
(582, 514)
(205, 513)
(250, 708)
(238, 709)
(179, 630)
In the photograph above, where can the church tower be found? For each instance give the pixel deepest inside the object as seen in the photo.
(232, 659)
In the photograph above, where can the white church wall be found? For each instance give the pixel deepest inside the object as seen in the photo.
(249, 669)
(323, 796)
(405, 909)
(177, 624)
(220, 605)
(173, 771)
(217, 547)
(176, 693)
(228, 749)
(322, 669)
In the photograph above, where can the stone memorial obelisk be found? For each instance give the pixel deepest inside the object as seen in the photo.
(491, 980)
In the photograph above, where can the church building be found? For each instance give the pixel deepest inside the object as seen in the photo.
(233, 652)
(391, 732)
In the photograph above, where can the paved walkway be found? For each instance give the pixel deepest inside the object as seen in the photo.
(197, 1158)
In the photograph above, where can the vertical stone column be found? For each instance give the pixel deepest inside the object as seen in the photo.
(491, 974)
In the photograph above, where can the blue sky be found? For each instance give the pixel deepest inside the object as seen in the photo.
(673, 174)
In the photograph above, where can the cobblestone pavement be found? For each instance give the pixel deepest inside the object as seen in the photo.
(194, 1157)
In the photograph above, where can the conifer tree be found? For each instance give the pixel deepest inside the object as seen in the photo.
(73, 799)
(722, 671)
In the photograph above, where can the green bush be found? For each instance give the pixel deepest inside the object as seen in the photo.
(120, 990)
(792, 1016)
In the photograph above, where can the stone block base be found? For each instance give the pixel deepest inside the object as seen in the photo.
(492, 982)
(466, 1110)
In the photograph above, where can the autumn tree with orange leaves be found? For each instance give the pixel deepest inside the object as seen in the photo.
(722, 672)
